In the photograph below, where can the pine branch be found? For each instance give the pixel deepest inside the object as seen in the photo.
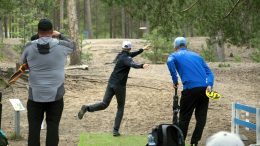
(232, 9)
(185, 10)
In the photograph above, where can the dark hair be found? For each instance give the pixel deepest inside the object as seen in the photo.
(44, 25)
(182, 45)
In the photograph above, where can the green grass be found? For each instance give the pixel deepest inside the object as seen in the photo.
(106, 139)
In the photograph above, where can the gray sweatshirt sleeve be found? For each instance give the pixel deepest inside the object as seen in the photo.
(68, 46)
(25, 53)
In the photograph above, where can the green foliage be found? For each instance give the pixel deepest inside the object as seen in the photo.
(1, 52)
(161, 47)
(208, 52)
(237, 58)
(13, 136)
(2, 83)
(18, 48)
(255, 42)
(223, 65)
(256, 55)
(86, 56)
(105, 139)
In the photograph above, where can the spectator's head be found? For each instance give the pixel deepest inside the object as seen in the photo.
(179, 42)
(126, 45)
(223, 138)
(45, 28)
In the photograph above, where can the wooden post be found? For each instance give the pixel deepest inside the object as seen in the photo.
(17, 124)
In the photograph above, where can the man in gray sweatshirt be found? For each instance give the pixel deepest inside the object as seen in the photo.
(46, 57)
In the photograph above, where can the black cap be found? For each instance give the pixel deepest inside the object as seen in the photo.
(44, 25)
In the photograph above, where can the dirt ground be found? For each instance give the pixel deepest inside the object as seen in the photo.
(148, 99)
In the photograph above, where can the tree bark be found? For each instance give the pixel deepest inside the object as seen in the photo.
(127, 26)
(1, 30)
(123, 24)
(220, 47)
(111, 21)
(87, 18)
(6, 27)
(56, 17)
(10, 34)
(97, 20)
(78, 8)
(73, 31)
(61, 14)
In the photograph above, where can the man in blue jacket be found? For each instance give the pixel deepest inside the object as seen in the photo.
(196, 78)
(117, 84)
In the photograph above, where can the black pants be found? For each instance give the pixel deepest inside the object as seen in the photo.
(120, 92)
(35, 117)
(193, 99)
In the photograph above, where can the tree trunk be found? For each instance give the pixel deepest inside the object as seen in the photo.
(87, 19)
(220, 47)
(147, 24)
(78, 9)
(111, 21)
(10, 33)
(127, 33)
(6, 26)
(123, 24)
(96, 16)
(1, 31)
(61, 14)
(130, 26)
(73, 31)
(56, 17)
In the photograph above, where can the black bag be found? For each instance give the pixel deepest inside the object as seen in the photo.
(3, 139)
(167, 135)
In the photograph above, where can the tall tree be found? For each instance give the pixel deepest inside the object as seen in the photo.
(73, 31)
(6, 29)
(1, 30)
(61, 14)
(87, 18)
(123, 22)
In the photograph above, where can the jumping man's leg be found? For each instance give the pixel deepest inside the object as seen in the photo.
(99, 105)
(120, 97)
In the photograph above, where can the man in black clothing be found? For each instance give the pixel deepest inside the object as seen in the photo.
(117, 85)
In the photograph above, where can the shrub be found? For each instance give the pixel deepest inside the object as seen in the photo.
(161, 47)
(237, 58)
(1, 51)
(223, 65)
(208, 52)
(86, 56)
(256, 55)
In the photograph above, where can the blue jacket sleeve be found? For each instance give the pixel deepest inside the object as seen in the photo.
(209, 73)
(172, 68)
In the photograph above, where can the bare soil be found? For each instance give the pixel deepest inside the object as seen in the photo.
(148, 99)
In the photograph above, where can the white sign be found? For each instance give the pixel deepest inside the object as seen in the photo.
(17, 104)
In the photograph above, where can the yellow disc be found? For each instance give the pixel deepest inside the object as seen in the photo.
(213, 95)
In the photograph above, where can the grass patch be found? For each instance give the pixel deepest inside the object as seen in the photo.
(1, 52)
(106, 139)
(223, 65)
(2, 83)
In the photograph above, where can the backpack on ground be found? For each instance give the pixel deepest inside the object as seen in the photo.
(166, 135)
(3, 139)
